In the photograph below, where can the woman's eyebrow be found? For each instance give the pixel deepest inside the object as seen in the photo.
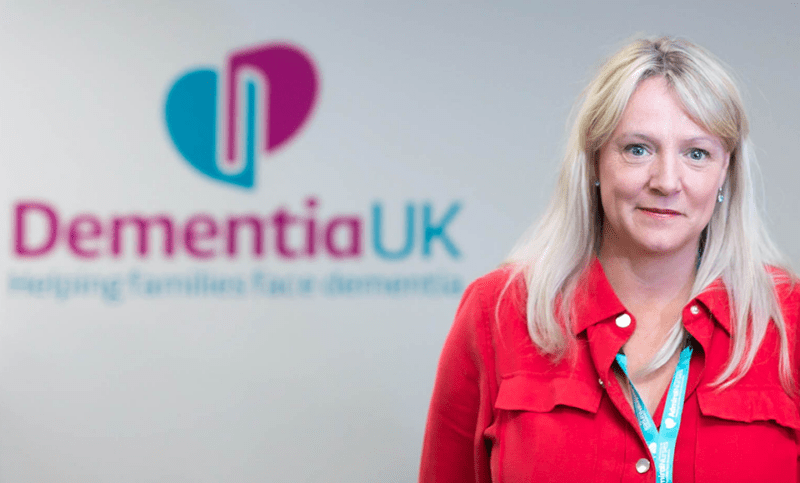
(652, 140)
(639, 135)
(708, 139)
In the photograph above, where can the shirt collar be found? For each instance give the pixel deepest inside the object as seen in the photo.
(715, 299)
(595, 300)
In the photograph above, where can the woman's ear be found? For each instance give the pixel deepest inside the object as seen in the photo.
(726, 167)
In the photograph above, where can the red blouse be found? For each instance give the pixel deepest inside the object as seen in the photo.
(502, 412)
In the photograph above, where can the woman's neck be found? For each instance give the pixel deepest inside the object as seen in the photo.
(652, 283)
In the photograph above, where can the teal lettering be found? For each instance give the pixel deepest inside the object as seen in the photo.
(439, 231)
(377, 234)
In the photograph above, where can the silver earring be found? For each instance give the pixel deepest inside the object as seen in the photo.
(720, 196)
(597, 183)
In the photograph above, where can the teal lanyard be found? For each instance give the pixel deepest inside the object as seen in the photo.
(662, 443)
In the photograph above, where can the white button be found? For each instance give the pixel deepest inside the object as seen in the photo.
(694, 310)
(600, 381)
(643, 465)
(623, 321)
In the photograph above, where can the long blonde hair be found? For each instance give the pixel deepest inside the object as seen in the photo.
(734, 246)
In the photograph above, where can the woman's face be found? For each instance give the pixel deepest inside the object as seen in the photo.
(659, 175)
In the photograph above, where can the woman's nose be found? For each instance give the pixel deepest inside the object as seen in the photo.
(665, 176)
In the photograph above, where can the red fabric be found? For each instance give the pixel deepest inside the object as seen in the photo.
(501, 412)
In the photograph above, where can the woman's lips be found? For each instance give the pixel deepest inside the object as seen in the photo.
(660, 212)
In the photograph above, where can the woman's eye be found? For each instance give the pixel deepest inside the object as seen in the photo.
(636, 149)
(698, 154)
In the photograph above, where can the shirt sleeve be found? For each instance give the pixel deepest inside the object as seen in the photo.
(795, 337)
(454, 450)
(796, 371)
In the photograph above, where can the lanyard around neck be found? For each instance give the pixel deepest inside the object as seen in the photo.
(662, 443)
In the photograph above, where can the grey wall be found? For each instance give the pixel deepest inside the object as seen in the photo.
(425, 102)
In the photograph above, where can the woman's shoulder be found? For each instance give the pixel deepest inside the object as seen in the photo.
(787, 288)
(506, 282)
(787, 285)
(493, 306)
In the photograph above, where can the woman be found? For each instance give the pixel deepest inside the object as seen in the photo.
(645, 331)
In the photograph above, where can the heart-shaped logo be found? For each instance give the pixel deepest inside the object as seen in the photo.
(669, 423)
(269, 93)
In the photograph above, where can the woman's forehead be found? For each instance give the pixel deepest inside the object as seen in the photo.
(655, 111)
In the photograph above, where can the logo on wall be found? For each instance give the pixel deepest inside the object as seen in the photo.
(221, 125)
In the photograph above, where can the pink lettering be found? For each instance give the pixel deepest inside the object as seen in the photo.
(84, 228)
(200, 228)
(38, 230)
(283, 220)
(352, 229)
(142, 225)
(21, 244)
(311, 226)
(257, 228)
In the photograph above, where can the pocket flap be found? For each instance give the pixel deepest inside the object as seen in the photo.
(539, 393)
(750, 404)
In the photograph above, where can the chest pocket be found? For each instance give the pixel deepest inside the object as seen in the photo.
(544, 429)
(747, 434)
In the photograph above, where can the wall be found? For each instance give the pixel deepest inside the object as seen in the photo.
(197, 358)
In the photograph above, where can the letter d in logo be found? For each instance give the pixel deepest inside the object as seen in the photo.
(267, 96)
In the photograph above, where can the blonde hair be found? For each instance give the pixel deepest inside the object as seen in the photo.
(734, 246)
